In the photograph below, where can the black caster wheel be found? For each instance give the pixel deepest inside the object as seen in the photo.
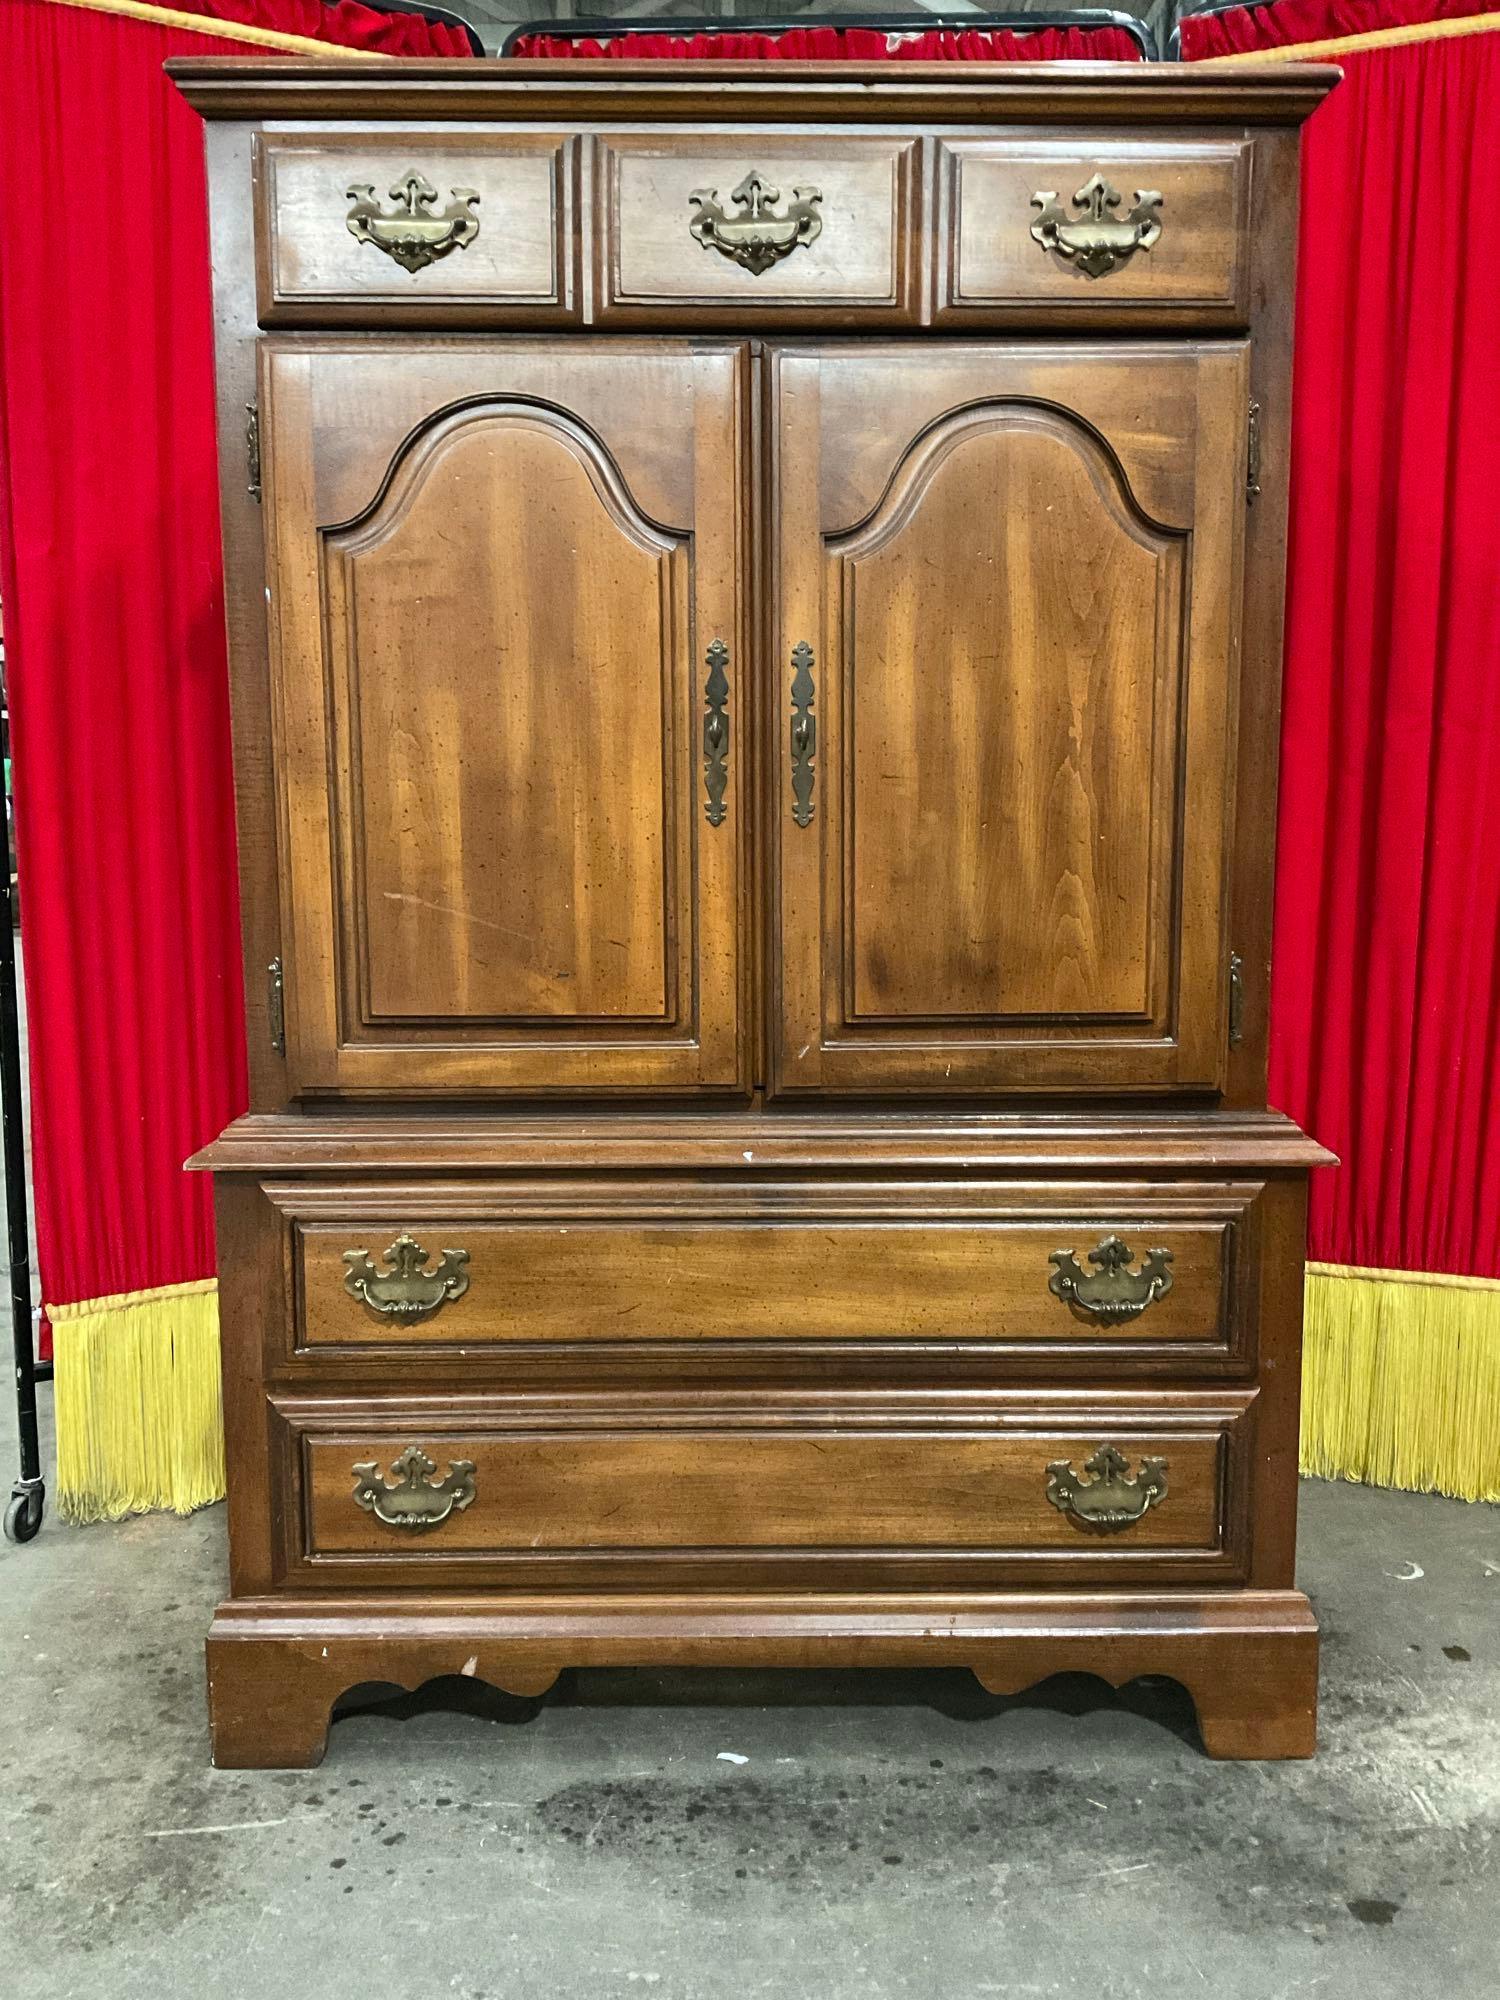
(23, 1515)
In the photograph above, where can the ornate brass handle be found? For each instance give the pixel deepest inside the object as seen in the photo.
(412, 1497)
(760, 237)
(1096, 239)
(1108, 1499)
(804, 733)
(406, 1291)
(1110, 1291)
(716, 733)
(410, 234)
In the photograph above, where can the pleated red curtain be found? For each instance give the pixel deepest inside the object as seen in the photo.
(1386, 973)
(1105, 44)
(114, 622)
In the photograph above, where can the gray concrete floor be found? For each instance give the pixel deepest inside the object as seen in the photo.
(885, 1834)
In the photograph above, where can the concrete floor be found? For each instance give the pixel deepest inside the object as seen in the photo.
(876, 1834)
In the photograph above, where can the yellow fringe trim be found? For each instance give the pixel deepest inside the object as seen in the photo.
(229, 31)
(140, 1421)
(1401, 1380)
(1353, 45)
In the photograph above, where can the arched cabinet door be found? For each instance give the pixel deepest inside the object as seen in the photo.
(501, 577)
(1008, 585)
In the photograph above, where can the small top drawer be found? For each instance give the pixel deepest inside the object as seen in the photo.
(819, 231)
(1114, 231)
(424, 228)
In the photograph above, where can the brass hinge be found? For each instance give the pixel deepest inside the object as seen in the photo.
(252, 449)
(276, 1006)
(1252, 452)
(1236, 1000)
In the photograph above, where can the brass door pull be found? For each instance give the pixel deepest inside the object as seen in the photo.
(410, 234)
(759, 237)
(804, 733)
(1096, 239)
(716, 733)
(1111, 1291)
(412, 1497)
(406, 1291)
(1108, 1499)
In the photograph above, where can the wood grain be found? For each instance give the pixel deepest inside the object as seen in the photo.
(744, 1380)
(1016, 880)
(313, 271)
(1196, 270)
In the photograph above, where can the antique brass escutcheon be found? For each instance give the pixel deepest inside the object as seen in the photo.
(804, 733)
(412, 1497)
(1096, 240)
(410, 234)
(1108, 1499)
(760, 237)
(1111, 1291)
(406, 1291)
(716, 732)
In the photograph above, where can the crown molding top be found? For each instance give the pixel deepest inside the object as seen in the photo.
(577, 91)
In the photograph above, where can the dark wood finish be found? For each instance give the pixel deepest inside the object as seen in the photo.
(863, 264)
(633, 1261)
(763, 1495)
(987, 260)
(496, 872)
(312, 271)
(1249, 1659)
(747, 1380)
(1021, 600)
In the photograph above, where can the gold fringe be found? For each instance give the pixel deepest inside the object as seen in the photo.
(140, 1420)
(229, 31)
(1352, 45)
(1401, 1380)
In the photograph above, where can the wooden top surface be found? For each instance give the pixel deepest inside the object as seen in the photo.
(796, 93)
(437, 1137)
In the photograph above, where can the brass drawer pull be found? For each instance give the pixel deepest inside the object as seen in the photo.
(1111, 1291)
(716, 732)
(410, 234)
(804, 733)
(412, 1497)
(760, 237)
(406, 1291)
(1108, 1500)
(1096, 239)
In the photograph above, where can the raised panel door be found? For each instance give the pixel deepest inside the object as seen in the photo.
(501, 590)
(1005, 627)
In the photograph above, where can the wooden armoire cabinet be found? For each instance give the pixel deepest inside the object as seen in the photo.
(755, 602)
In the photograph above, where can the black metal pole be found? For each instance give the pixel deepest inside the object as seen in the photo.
(23, 1515)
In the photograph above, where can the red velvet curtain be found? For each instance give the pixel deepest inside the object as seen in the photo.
(1105, 44)
(1290, 22)
(114, 624)
(1386, 1004)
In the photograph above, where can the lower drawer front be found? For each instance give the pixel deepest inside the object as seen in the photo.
(595, 1497)
(631, 1265)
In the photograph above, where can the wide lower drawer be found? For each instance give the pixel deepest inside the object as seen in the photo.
(768, 1490)
(1141, 1268)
